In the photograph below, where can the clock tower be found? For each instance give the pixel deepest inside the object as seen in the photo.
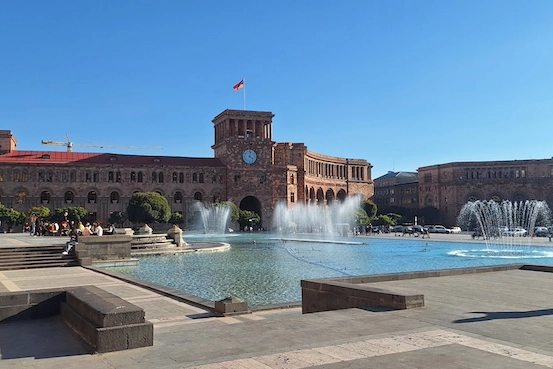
(244, 143)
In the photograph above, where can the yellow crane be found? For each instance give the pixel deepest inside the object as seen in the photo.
(69, 144)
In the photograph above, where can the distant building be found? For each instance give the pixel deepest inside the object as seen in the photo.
(447, 187)
(397, 192)
(248, 168)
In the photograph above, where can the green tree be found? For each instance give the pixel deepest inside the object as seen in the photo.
(248, 219)
(234, 211)
(176, 218)
(361, 218)
(117, 217)
(370, 208)
(11, 217)
(148, 207)
(76, 214)
(40, 211)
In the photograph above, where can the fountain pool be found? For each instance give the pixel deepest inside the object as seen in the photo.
(262, 269)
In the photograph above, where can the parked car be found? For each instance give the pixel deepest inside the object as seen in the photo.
(541, 231)
(455, 229)
(419, 229)
(514, 232)
(438, 229)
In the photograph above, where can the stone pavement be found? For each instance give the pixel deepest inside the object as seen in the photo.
(488, 320)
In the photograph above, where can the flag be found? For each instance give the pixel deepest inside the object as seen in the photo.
(239, 85)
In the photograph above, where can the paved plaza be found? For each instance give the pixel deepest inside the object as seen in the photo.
(487, 320)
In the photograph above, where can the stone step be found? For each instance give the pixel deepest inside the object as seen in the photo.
(34, 257)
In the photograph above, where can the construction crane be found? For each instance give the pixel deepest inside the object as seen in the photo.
(69, 144)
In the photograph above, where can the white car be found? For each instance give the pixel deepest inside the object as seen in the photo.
(438, 229)
(455, 229)
(514, 232)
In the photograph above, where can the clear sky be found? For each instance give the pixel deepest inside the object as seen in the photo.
(400, 83)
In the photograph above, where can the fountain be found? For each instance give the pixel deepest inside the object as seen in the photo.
(335, 218)
(212, 219)
(505, 226)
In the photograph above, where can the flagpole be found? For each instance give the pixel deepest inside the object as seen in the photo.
(244, 93)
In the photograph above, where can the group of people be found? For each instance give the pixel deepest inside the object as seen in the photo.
(94, 229)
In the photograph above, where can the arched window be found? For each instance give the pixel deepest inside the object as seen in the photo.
(133, 177)
(16, 175)
(114, 197)
(118, 176)
(160, 178)
(181, 177)
(92, 197)
(140, 177)
(154, 177)
(68, 197)
(177, 198)
(194, 177)
(25, 175)
(175, 177)
(201, 178)
(198, 196)
(45, 197)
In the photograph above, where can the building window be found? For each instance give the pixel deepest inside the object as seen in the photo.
(140, 177)
(194, 177)
(214, 179)
(45, 197)
(111, 176)
(175, 177)
(177, 198)
(262, 178)
(181, 177)
(73, 176)
(118, 177)
(92, 197)
(292, 197)
(217, 198)
(68, 197)
(291, 179)
(114, 197)
(1, 176)
(160, 178)
(201, 178)
(236, 177)
(198, 196)
(154, 177)
(16, 176)
(133, 177)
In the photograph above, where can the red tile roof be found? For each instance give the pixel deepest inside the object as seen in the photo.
(80, 158)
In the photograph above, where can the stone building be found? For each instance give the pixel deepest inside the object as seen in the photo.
(447, 187)
(397, 192)
(248, 168)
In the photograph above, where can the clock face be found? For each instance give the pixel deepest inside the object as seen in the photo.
(249, 156)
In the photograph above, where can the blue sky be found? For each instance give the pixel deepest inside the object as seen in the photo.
(400, 83)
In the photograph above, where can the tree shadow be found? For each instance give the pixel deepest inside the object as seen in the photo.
(493, 315)
(39, 339)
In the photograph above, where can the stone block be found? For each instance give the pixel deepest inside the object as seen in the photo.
(231, 306)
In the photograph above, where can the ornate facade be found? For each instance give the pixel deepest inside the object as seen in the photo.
(249, 169)
(447, 187)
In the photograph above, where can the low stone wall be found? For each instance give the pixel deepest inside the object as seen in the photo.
(104, 322)
(355, 292)
(103, 248)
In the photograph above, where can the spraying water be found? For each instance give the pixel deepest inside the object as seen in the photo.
(336, 218)
(505, 226)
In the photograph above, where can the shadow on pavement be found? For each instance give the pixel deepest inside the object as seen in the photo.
(39, 339)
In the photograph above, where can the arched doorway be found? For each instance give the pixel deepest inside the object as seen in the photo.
(251, 203)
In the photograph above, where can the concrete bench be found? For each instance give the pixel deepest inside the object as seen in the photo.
(105, 322)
